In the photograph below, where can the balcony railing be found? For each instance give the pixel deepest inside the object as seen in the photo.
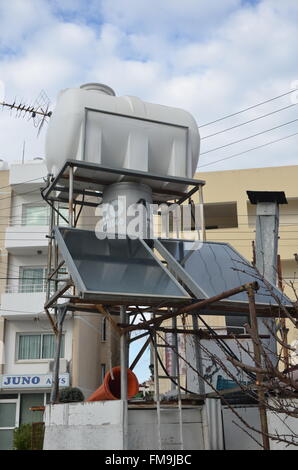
(25, 289)
(33, 289)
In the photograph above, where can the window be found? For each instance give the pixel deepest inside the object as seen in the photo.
(38, 346)
(29, 400)
(32, 279)
(220, 215)
(35, 214)
(235, 324)
(8, 410)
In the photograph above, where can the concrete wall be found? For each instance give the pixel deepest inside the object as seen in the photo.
(237, 439)
(84, 426)
(143, 435)
(234, 437)
(31, 170)
(283, 424)
(98, 426)
(5, 203)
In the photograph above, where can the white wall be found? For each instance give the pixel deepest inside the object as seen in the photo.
(84, 426)
(19, 238)
(98, 426)
(234, 437)
(142, 429)
(34, 169)
(283, 424)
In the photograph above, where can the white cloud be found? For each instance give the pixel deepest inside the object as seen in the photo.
(190, 18)
(212, 58)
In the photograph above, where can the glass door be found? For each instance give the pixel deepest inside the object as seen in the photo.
(8, 410)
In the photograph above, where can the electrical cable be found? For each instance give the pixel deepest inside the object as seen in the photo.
(249, 137)
(246, 109)
(249, 150)
(248, 122)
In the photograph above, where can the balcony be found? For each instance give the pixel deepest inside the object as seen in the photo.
(23, 302)
(26, 301)
(26, 239)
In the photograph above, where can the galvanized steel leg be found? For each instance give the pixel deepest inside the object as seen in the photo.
(124, 364)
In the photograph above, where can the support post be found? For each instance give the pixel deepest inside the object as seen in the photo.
(55, 380)
(282, 321)
(124, 366)
(258, 361)
(70, 200)
(174, 344)
(202, 213)
(198, 353)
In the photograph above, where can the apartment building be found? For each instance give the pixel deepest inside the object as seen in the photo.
(230, 217)
(26, 337)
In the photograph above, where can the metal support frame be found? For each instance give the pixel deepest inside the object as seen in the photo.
(258, 362)
(55, 381)
(124, 367)
(175, 375)
(199, 362)
(156, 388)
(65, 188)
(70, 202)
(174, 343)
(98, 179)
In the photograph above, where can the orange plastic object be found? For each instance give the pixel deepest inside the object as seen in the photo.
(111, 389)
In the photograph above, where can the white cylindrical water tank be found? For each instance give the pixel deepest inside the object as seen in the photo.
(92, 124)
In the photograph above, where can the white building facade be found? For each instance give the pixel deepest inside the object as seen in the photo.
(28, 342)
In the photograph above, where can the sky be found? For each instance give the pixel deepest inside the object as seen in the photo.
(212, 58)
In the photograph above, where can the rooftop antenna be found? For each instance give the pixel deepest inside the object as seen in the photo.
(38, 111)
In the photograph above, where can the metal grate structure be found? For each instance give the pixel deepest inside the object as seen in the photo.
(128, 278)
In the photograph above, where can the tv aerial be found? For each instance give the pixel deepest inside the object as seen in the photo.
(38, 111)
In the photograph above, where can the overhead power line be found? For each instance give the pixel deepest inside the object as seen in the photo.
(249, 150)
(246, 109)
(250, 136)
(248, 122)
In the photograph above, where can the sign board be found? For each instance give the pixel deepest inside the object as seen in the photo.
(31, 381)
